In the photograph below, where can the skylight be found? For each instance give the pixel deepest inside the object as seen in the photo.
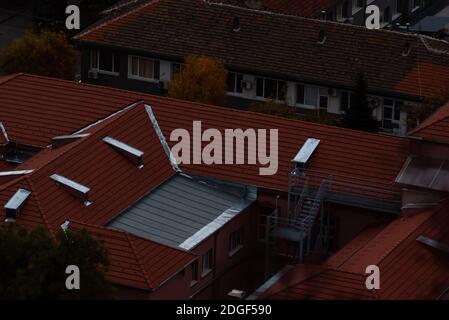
(306, 151)
(13, 206)
(78, 190)
(132, 154)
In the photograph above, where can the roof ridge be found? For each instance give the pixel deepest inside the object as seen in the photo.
(120, 16)
(35, 196)
(7, 78)
(366, 242)
(11, 182)
(293, 16)
(397, 243)
(139, 263)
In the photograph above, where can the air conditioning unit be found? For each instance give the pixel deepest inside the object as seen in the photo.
(92, 74)
(247, 85)
(332, 92)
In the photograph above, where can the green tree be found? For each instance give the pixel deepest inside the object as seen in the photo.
(33, 264)
(274, 108)
(46, 53)
(359, 115)
(201, 79)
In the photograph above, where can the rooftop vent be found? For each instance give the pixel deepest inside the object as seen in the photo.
(321, 37)
(60, 141)
(15, 204)
(306, 152)
(132, 154)
(236, 25)
(15, 173)
(78, 190)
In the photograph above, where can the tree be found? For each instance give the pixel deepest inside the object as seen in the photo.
(274, 108)
(359, 115)
(33, 264)
(46, 53)
(201, 80)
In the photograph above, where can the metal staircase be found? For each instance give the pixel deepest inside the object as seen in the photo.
(297, 228)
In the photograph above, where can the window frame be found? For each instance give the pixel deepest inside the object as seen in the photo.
(96, 52)
(138, 76)
(264, 79)
(236, 241)
(194, 278)
(394, 111)
(205, 271)
(235, 85)
(304, 105)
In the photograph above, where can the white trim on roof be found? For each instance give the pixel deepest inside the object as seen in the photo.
(209, 229)
(5, 134)
(161, 137)
(15, 173)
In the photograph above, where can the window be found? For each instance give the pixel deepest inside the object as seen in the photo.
(235, 82)
(345, 100)
(144, 68)
(391, 113)
(194, 273)
(207, 262)
(175, 69)
(307, 95)
(235, 241)
(104, 60)
(324, 101)
(271, 89)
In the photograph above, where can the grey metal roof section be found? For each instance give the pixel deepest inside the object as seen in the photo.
(184, 211)
(76, 189)
(132, 154)
(161, 137)
(306, 151)
(15, 203)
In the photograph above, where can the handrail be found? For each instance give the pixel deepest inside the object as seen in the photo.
(352, 185)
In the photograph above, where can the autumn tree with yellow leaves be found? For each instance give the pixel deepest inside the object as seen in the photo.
(200, 79)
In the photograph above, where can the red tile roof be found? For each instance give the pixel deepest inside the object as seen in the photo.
(408, 269)
(304, 8)
(115, 183)
(278, 45)
(369, 161)
(136, 262)
(436, 127)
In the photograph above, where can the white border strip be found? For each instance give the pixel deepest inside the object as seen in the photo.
(161, 137)
(210, 228)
